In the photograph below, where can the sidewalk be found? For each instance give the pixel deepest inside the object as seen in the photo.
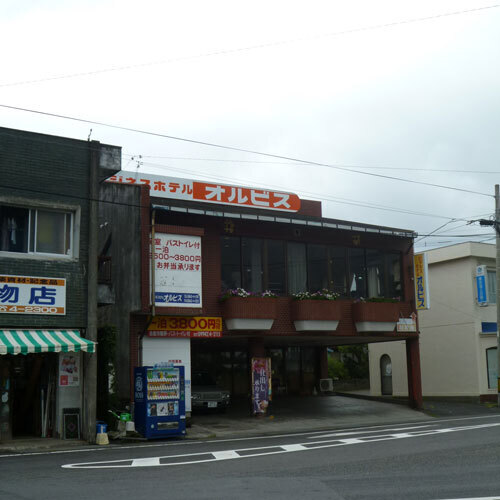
(291, 415)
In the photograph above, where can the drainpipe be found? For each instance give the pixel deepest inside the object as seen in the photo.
(153, 297)
(90, 380)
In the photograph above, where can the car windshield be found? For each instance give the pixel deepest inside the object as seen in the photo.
(202, 378)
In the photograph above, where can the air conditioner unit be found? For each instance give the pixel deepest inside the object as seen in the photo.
(326, 385)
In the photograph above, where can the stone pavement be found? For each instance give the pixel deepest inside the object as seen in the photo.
(292, 415)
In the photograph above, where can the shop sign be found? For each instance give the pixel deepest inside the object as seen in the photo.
(482, 297)
(177, 270)
(407, 324)
(185, 327)
(421, 281)
(191, 190)
(261, 385)
(69, 370)
(32, 295)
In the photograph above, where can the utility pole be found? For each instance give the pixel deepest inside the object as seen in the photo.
(497, 231)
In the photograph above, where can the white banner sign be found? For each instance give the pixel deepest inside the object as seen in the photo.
(177, 270)
(32, 295)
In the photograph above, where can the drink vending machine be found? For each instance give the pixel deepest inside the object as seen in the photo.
(160, 406)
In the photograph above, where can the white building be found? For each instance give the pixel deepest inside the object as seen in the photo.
(458, 335)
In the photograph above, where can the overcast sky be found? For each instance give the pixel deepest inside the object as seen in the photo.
(366, 86)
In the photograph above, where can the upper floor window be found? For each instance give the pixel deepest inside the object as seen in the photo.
(35, 231)
(258, 264)
(492, 287)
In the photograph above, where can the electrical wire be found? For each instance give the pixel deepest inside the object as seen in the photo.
(242, 150)
(322, 197)
(371, 167)
(251, 47)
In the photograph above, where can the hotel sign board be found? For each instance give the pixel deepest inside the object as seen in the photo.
(209, 192)
(177, 270)
(185, 327)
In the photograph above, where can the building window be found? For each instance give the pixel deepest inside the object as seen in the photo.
(491, 366)
(291, 267)
(296, 267)
(35, 231)
(230, 262)
(357, 273)
(383, 274)
(492, 287)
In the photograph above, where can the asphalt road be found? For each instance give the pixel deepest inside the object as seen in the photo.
(450, 458)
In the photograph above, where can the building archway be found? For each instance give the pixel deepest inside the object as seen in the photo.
(386, 375)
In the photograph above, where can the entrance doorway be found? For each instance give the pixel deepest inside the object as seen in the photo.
(386, 375)
(28, 395)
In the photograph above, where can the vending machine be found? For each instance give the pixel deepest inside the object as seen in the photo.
(160, 406)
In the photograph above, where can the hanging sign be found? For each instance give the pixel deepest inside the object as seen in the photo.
(261, 385)
(482, 298)
(208, 192)
(421, 281)
(407, 324)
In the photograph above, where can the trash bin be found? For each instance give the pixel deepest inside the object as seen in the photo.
(101, 427)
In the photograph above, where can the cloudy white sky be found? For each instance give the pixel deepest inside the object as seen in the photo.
(368, 86)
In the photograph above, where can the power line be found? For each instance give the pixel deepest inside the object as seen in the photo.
(242, 150)
(371, 167)
(344, 201)
(250, 48)
(72, 143)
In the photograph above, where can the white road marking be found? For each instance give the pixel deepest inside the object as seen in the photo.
(336, 434)
(225, 455)
(475, 498)
(229, 440)
(145, 462)
(214, 456)
(293, 447)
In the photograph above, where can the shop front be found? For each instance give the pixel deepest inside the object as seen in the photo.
(41, 383)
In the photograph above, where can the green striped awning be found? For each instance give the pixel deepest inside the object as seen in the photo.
(30, 341)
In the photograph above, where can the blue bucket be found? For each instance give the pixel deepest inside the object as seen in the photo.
(101, 428)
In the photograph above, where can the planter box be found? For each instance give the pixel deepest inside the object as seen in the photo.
(249, 313)
(316, 315)
(375, 316)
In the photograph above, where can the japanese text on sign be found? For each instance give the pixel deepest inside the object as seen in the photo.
(177, 261)
(185, 189)
(32, 295)
(421, 287)
(185, 327)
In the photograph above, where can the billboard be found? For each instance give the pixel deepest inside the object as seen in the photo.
(32, 295)
(177, 270)
(209, 192)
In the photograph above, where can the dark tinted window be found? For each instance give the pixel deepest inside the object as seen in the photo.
(230, 263)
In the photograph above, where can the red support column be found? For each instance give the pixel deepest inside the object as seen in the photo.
(414, 379)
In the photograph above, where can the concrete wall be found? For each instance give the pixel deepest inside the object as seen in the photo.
(452, 348)
(119, 219)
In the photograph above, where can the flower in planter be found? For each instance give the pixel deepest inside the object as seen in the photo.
(323, 294)
(390, 300)
(241, 292)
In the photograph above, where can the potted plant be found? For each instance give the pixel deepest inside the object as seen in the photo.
(243, 310)
(376, 314)
(316, 311)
